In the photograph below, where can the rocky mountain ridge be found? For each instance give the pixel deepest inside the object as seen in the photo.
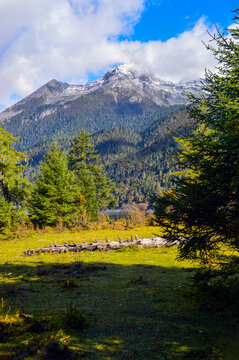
(120, 82)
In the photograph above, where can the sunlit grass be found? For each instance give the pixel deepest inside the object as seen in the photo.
(15, 248)
(133, 299)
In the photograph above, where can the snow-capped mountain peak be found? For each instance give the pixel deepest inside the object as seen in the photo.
(122, 81)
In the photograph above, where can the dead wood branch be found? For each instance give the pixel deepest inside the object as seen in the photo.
(102, 246)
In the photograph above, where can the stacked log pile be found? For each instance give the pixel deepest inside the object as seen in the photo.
(102, 246)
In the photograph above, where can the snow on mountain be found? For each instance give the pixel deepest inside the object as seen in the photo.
(121, 81)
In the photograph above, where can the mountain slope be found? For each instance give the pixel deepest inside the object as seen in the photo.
(144, 171)
(121, 98)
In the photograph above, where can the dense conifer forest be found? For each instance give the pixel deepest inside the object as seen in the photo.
(137, 162)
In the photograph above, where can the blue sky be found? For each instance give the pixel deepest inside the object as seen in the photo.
(78, 40)
(163, 19)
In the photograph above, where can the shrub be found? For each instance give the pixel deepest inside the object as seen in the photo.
(73, 319)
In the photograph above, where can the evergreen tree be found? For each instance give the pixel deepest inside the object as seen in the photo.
(96, 187)
(56, 196)
(202, 212)
(14, 189)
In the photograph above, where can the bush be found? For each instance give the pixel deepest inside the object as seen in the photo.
(56, 348)
(73, 319)
(134, 213)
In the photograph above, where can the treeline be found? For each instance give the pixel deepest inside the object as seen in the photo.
(69, 188)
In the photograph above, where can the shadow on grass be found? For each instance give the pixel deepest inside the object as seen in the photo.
(133, 312)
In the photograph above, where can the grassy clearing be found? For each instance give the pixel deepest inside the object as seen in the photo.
(125, 304)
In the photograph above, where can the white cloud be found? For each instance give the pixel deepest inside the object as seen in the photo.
(41, 40)
(178, 59)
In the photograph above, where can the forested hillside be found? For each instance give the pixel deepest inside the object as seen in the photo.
(144, 171)
(93, 113)
(137, 162)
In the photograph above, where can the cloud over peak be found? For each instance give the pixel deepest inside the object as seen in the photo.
(41, 40)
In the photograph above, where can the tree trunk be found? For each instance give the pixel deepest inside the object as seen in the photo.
(102, 246)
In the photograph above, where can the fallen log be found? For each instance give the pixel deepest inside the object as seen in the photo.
(102, 246)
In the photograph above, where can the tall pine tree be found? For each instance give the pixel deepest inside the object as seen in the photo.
(56, 196)
(202, 212)
(96, 187)
(14, 189)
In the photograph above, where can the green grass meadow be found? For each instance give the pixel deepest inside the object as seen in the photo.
(135, 301)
